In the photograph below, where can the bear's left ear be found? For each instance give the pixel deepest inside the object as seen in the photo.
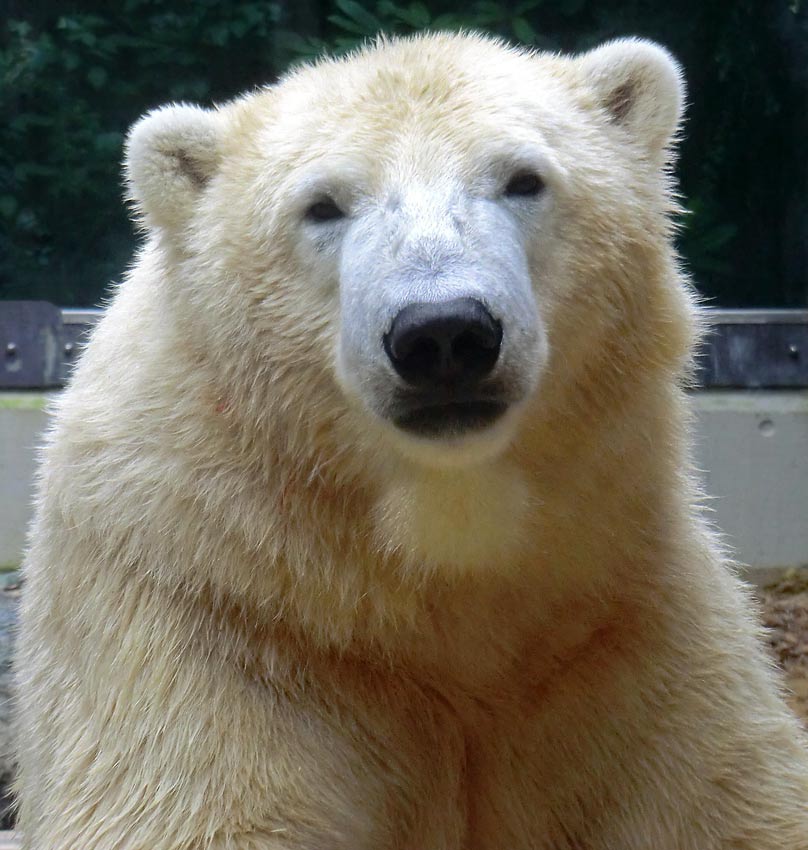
(171, 154)
(640, 86)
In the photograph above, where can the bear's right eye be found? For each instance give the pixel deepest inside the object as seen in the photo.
(325, 209)
(524, 184)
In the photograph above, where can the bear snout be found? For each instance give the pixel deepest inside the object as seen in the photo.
(447, 344)
(445, 352)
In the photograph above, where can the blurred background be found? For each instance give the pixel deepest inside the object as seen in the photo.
(76, 75)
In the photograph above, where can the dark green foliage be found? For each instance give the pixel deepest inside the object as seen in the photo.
(74, 76)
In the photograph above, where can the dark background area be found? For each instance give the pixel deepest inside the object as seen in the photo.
(75, 75)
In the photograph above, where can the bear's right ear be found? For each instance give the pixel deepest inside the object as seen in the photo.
(171, 154)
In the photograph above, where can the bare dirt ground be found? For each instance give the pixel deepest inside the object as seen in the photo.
(785, 615)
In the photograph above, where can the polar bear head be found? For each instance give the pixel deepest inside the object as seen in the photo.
(422, 245)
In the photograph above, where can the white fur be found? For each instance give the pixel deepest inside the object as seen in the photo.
(170, 154)
(640, 85)
(255, 619)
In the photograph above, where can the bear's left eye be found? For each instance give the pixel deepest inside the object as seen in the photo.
(326, 209)
(524, 184)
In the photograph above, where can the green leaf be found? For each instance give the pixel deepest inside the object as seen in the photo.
(415, 15)
(348, 25)
(239, 28)
(22, 29)
(523, 31)
(571, 7)
(97, 77)
(304, 48)
(370, 23)
(343, 45)
(219, 35)
(71, 61)
(108, 143)
(8, 206)
(526, 6)
(450, 21)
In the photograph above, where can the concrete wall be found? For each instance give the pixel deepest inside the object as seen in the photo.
(752, 447)
(22, 420)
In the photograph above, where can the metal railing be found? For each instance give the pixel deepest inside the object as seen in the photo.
(745, 349)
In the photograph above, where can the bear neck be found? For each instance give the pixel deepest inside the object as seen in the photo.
(591, 523)
(587, 507)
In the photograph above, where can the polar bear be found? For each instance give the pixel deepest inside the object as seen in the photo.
(367, 520)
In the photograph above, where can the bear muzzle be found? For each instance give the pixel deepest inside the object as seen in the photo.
(444, 352)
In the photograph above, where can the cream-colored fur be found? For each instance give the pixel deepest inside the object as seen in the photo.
(254, 620)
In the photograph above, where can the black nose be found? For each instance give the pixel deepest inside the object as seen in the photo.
(453, 342)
